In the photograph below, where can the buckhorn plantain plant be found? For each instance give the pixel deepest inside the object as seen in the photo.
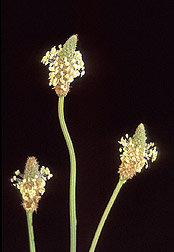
(65, 64)
(31, 185)
(135, 154)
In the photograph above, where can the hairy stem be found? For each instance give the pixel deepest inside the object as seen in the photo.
(105, 215)
(72, 192)
(30, 231)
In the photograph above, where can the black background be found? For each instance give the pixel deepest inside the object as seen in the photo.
(127, 48)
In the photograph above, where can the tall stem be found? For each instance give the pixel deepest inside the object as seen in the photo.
(72, 192)
(30, 231)
(105, 215)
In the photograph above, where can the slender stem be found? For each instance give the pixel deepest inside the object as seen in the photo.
(30, 231)
(72, 192)
(105, 215)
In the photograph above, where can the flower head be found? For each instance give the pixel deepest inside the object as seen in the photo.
(32, 183)
(135, 153)
(65, 64)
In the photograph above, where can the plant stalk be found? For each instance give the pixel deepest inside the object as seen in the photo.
(105, 215)
(72, 192)
(31, 231)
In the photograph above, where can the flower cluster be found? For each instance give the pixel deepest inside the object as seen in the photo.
(32, 183)
(135, 153)
(65, 64)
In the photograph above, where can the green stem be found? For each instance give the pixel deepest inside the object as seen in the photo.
(72, 193)
(30, 231)
(105, 215)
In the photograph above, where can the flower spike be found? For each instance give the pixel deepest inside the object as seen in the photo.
(65, 64)
(135, 153)
(32, 183)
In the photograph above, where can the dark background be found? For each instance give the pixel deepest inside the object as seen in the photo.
(127, 48)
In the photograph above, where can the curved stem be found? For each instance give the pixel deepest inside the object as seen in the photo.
(72, 192)
(30, 231)
(105, 215)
